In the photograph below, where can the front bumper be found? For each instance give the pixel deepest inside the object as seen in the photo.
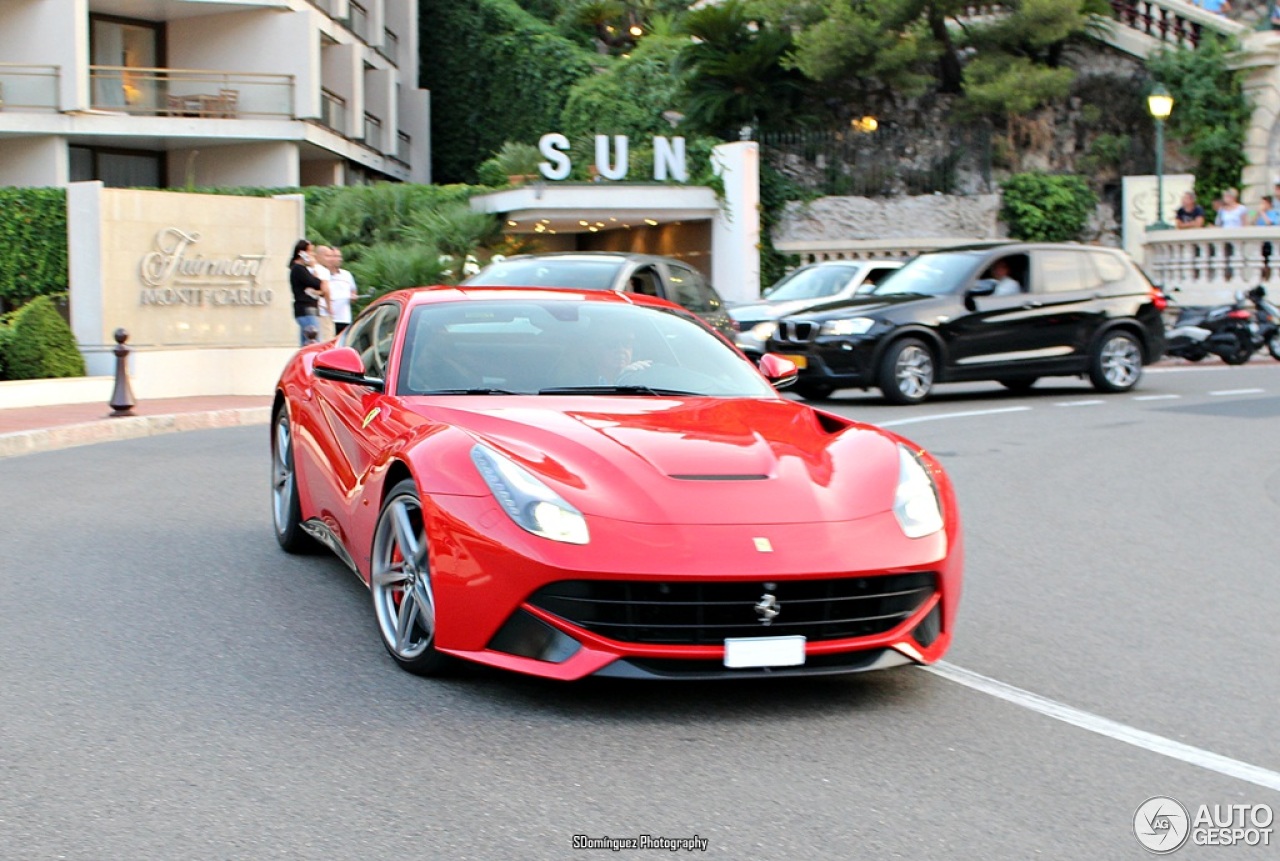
(492, 609)
(839, 362)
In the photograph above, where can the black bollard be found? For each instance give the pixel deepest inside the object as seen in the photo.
(122, 398)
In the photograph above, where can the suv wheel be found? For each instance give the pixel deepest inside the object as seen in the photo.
(1116, 364)
(906, 372)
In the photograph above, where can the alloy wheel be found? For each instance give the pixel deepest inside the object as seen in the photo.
(1121, 361)
(401, 579)
(913, 372)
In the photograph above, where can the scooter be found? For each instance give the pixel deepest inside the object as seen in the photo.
(1231, 332)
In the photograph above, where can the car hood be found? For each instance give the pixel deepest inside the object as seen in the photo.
(690, 461)
(863, 306)
(766, 310)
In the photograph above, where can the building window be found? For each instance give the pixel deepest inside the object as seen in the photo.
(124, 54)
(117, 168)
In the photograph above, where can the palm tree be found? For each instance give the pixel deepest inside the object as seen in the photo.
(736, 76)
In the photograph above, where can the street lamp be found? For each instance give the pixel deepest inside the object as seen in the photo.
(1160, 104)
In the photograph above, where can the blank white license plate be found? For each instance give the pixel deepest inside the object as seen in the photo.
(764, 651)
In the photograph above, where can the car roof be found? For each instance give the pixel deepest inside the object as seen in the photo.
(593, 255)
(415, 296)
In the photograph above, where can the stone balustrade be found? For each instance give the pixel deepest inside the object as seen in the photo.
(814, 251)
(1209, 266)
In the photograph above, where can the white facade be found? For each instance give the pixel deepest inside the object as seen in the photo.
(177, 93)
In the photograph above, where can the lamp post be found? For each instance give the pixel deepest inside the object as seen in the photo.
(1160, 104)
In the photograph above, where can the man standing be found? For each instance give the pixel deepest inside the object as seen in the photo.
(342, 290)
(1190, 215)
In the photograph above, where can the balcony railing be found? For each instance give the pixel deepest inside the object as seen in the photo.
(190, 92)
(390, 47)
(403, 145)
(1210, 265)
(359, 20)
(333, 111)
(373, 132)
(28, 88)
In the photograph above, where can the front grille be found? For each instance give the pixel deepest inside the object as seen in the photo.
(701, 613)
(797, 331)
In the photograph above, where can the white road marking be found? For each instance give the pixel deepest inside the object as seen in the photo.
(953, 416)
(1078, 403)
(1226, 392)
(1157, 397)
(1111, 729)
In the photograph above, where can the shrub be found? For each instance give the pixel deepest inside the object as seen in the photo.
(39, 344)
(383, 268)
(1046, 208)
(513, 159)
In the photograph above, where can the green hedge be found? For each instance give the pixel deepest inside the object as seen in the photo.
(510, 83)
(37, 344)
(33, 243)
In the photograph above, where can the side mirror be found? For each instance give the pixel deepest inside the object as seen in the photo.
(344, 365)
(779, 371)
(984, 287)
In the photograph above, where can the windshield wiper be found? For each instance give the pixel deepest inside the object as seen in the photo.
(477, 391)
(615, 390)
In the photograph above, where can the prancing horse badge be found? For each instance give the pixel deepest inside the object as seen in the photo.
(763, 545)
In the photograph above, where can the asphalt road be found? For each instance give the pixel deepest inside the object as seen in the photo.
(175, 687)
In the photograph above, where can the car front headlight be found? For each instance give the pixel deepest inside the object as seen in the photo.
(763, 331)
(854, 326)
(916, 502)
(526, 500)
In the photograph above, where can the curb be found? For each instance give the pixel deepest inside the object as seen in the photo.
(126, 427)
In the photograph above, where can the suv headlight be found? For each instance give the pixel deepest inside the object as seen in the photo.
(763, 331)
(526, 500)
(916, 502)
(854, 326)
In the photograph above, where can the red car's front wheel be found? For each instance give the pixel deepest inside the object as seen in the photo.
(400, 580)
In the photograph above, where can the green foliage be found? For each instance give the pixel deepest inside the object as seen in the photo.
(1210, 111)
(455, 229)
(386, 267)
(999, 85)
(1046, 208)
(39, 344)
(630, 95)
(512, 159)
(775, 192)
(736, 75)
(361, 215)
(33, 243)
(496, 73)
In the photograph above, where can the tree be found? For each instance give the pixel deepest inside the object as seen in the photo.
(736, 76)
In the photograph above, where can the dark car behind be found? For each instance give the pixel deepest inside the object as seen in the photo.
(948, 316)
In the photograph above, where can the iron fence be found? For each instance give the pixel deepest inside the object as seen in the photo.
(886, 162)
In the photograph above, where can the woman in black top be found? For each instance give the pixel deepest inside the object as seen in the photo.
(308, 291)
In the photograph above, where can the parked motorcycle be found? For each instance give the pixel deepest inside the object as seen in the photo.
(1232, 332)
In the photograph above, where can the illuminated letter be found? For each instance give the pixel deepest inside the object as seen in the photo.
(603, 166)
(668, 155)
(553, 148)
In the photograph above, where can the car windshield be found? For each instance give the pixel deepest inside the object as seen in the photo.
(566, 346)
(931, 274)
(578, 273)
(811, 282)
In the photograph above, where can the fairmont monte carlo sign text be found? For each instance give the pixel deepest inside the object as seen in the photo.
(175, 274)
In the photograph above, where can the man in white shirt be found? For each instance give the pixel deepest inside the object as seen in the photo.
(342, 290)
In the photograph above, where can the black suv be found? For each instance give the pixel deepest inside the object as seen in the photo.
(1011, 312)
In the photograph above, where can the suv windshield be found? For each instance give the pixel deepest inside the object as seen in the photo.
(931, 274)
(577, 273)
(811, 282)
(562, 346)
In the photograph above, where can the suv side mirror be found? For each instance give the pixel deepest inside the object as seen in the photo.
(778, 370)
(983, 287)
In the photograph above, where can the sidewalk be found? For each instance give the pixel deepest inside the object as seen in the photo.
(32, 429)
